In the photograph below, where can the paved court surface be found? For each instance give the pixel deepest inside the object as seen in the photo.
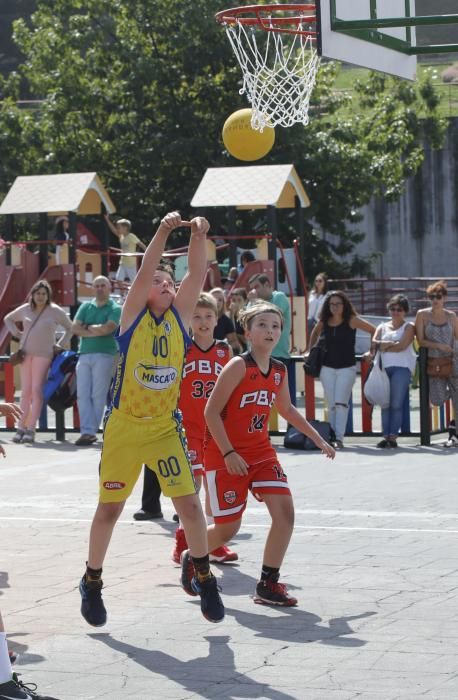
(373, 561)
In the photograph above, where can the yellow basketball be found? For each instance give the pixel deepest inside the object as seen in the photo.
(244, 142)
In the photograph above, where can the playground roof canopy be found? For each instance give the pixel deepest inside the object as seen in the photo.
(251, 187)
(82, 193)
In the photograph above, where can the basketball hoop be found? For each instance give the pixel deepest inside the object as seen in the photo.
(275, 46)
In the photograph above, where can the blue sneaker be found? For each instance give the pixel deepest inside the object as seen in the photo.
(92, 607)
(210, 600)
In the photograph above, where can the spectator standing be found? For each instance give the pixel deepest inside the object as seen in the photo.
(151, 497)
(316, 299)
(62, 235)
(394, 339)
(238, 302)
(338, 323)
(129, 243)
(246, 257)
(437, 330)
(95, 323)
(40, 319)
(261, 288)
(225, 329)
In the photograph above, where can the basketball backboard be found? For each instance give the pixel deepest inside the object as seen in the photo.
(378, 48)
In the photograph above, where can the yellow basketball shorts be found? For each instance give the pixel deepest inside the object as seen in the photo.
(130, 442)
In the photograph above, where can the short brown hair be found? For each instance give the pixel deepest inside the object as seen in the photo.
(207, 301)
(437, 288)
(166, 267)
(247, 316)
(261, 278)
(399, 299)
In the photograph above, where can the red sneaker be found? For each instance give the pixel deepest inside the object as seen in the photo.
(180, 545)
(270, 592)
(222, 555)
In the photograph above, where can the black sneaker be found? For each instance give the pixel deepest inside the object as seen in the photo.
(148, 515)
(270, 592)
(383, 444)
(92, 607)
(16, 690)
(187, 572)
(210, 600)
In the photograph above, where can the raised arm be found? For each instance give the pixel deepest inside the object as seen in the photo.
(139, 291)
(112, 227)
(191, 286)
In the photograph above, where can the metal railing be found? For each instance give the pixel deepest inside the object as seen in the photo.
(433, 420)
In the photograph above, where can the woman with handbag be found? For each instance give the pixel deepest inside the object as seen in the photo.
(40, 319)
(437, 330)
(394, 339)
(336, 329)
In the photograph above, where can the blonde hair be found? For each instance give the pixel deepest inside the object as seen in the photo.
(207, 301)
(246, 316)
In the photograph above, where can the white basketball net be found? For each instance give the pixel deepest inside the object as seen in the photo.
(278, 77)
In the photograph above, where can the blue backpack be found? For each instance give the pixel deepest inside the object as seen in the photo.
(59, 392)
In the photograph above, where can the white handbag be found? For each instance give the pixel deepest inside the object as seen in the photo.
(377, 386)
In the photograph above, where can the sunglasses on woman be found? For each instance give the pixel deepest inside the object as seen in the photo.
(434, 296)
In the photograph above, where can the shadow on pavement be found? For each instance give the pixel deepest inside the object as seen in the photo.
(203, 676)
(20, 649)
(299, 626)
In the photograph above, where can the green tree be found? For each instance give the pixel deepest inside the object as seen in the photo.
(138, 91)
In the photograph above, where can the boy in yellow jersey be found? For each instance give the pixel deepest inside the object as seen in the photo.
(144, 425)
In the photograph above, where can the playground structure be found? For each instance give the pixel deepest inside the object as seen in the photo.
(84, 256)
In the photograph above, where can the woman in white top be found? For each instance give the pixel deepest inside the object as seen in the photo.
(40, 319)
(394, 339)
(316, 298)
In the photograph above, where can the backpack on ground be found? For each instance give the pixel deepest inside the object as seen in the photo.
(59, 392)
(295, 440)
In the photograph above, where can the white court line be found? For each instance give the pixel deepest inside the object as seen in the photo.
(247, 525)
(254, 511)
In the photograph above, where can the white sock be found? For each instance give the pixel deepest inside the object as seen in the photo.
(210, 520)
(6, 672)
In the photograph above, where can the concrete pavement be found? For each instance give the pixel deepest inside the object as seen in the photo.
(373, 562)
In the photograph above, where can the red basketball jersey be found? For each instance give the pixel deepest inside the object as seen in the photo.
(200, 372)
(246, 415)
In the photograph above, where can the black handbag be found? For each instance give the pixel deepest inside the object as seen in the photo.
(295, 440)
(315, 359)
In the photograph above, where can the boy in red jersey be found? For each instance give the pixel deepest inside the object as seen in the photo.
(205, 359)
(238, 454)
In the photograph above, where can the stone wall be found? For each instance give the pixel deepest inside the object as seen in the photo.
(418, 235)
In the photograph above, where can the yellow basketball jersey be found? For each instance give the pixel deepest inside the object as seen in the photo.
(148, 376)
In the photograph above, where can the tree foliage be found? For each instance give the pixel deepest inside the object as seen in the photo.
(138, 91)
